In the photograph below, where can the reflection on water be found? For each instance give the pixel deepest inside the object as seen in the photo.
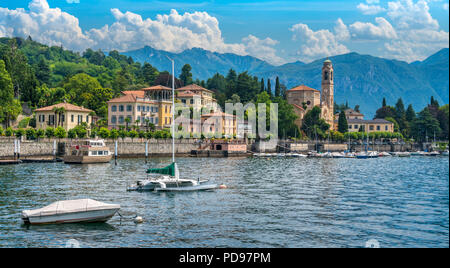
(399, 202)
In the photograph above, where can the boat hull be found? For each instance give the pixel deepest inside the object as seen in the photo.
(75, 159)
(77, 217)
(204, 187)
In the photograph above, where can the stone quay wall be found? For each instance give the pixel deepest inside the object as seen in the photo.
(125, 148)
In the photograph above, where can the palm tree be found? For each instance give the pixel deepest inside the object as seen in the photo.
(127, 121)
(147, 122)
(137, 123)
(59, 111)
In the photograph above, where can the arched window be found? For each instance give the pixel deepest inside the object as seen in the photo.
(325, 75)
(331, 76)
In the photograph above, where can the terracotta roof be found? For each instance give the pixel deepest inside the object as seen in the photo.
(362, 121)
(124, 98)
(303, 88)
(193, 87)
(186, 93)
(137, 93)
(353, 112)
(298, 107)
(67, 106)
(158, 87)
(217, 114)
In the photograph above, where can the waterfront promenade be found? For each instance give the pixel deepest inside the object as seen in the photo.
(136, 147)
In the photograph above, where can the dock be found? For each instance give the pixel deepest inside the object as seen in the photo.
(10, 162)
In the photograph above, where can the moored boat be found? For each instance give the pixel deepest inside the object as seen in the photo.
(88, 152)
(71, 211)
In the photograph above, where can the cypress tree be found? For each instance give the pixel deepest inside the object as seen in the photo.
(342, 123)
(269, 88)
(410, 113)
(277, 87)
(263, 86)
(384, 102)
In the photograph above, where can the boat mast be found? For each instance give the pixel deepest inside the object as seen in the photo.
(173, 109)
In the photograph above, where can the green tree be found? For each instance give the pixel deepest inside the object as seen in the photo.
(40, 133)
(42, 70)
(79, 86)
(286, 119)
(132, 134)
(269, 88)
(104, 133)
(10, 108)
(19, 132)
(31, 133)
(342, 123)
(149, 73)
(60, 133)
(186, 75)
(127, 122)
(425, 125)
(72, 134)
(313, 124)
(384, 103)
(410, 113)
(277, 87)
(9, 132)
(113, 134)
(50, 132)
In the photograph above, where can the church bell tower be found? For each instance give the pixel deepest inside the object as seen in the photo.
(327, 94)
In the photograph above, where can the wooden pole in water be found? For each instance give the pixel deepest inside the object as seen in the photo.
(146, 151)
(115, 153)
(18, 149)
(15, 148)
(54, 150)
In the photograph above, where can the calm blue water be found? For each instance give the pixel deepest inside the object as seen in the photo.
(400, 202)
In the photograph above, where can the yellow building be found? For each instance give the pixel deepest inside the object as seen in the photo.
(375, 125)
(62, 114)
(150, 105)
(196, 96)
(356, 123)
(219, 122)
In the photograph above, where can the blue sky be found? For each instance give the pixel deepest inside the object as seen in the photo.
(275, 31)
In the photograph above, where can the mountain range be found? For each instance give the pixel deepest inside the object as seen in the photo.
(359, 79)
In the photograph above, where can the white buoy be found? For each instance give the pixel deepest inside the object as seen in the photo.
(138, 219)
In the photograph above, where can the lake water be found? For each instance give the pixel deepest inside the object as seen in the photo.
(399, 202)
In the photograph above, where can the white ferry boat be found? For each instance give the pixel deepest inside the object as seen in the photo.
(88, 152)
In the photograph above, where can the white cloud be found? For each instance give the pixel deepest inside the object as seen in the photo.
(341, 30)
(409, 15)
(315, 44)
(172, 32)
(370, 9)
(48, 25)
(73, 1)
(369, 31)
(410, 34)
(445, 6)
(262, 49)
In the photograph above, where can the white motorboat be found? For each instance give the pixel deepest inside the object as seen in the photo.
(337, 155)
(298, 155)
(71, 211)
(445, 153)
(384, 154)
(402, 154)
